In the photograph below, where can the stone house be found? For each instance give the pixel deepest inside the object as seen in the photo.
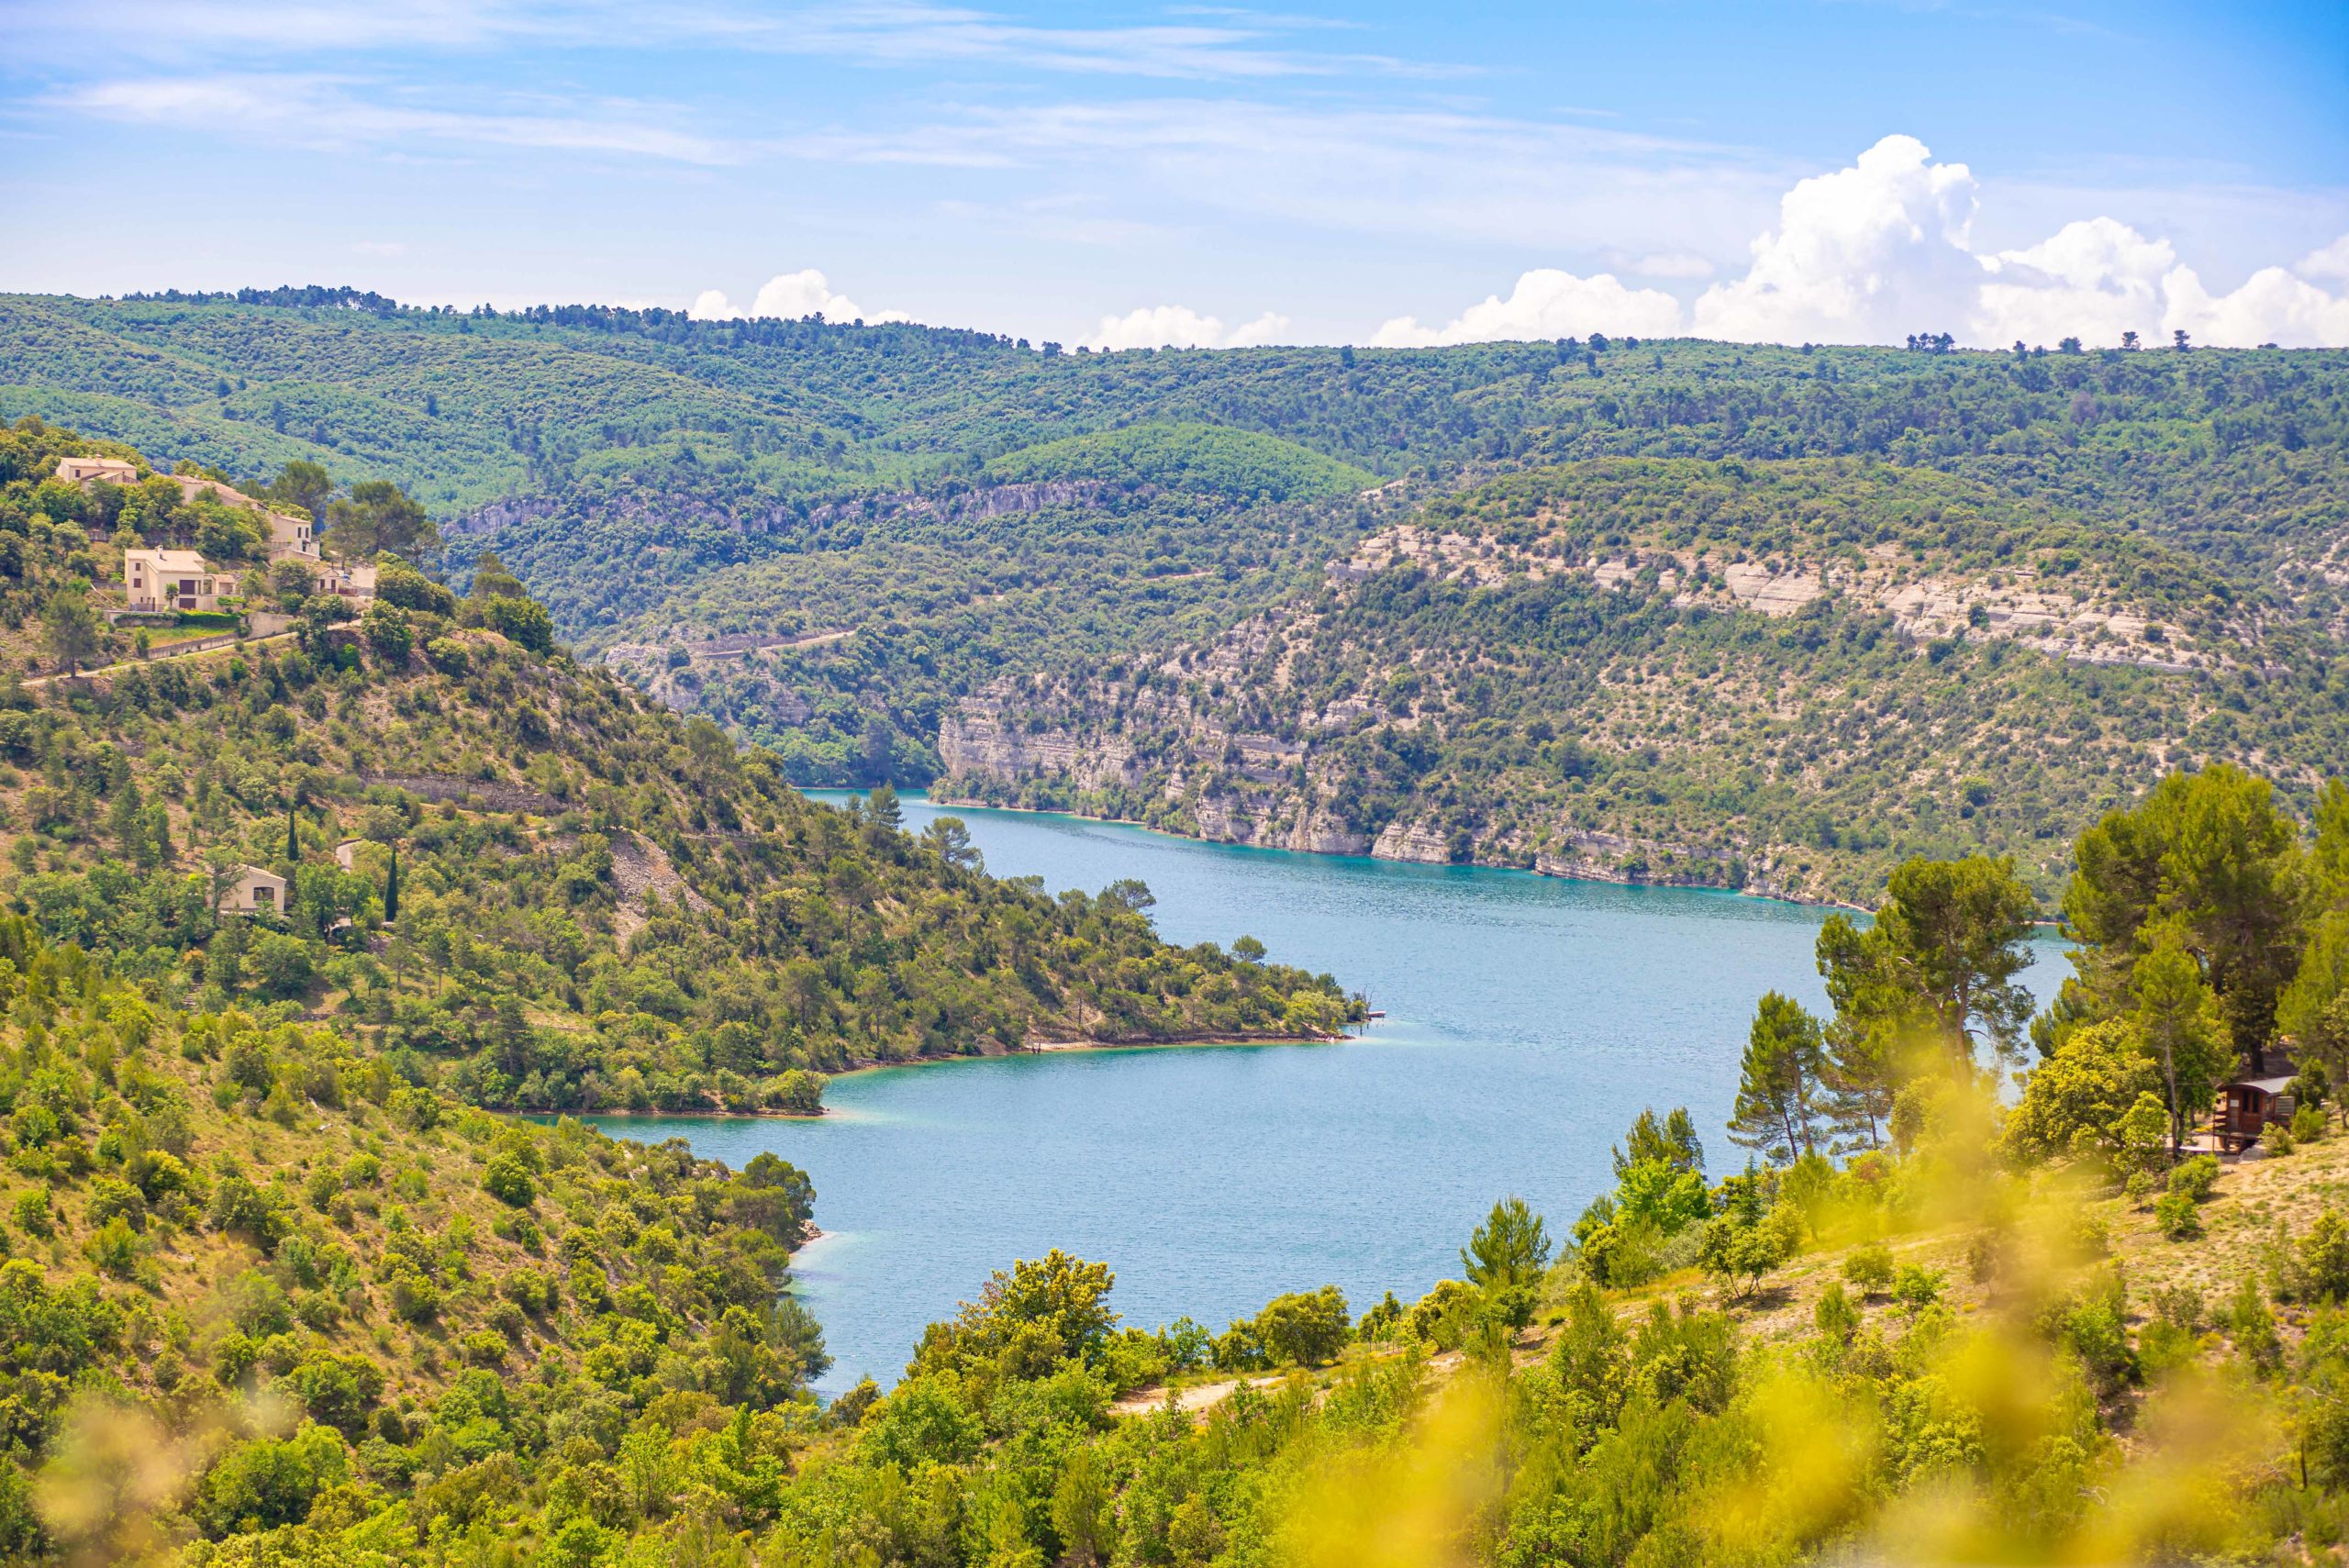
(157, 580)
(87, 470)
(289, 536)
(255, 891)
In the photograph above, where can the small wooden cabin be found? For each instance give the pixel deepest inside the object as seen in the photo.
(2246, 1105)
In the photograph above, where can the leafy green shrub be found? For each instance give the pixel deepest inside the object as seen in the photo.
(339, 1391)
(2195, 1177)
(1918, 1286)
(283, 965)
(1870, 1268)
(413, 1294)
(263, 1483)
(256, 1212)
(522, 621)
(1303, 1329)
(115, 1249)
(1440, 1319)
(1835, 1315)
(507, 1179)
(923, 1421)
(112, 1198)
(2176, 1214)
(32, 1214)
(797, 1093)
(2323, 1260)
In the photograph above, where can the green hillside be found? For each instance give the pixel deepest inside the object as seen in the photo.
(833, 539)
(263, 1301)
(1777, 676)
(600, 903)
(1238, 463)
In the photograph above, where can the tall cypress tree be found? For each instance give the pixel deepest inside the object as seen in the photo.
(392, 889)
(292, 838)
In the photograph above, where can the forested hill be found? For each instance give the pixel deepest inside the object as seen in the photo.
(531, 886)
(829, 538)
(1781, 677)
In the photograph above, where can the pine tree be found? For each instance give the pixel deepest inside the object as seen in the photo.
(1777, 1093)
(127, 820)
(1860, 1076)
(2178, 1017)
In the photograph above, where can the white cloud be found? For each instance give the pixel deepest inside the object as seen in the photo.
(1881, 250)
(2332, 261)
(327, 111)
(789, 296)
(1546, 303)
(1269, 327)
(1671, 264)
(1180, 327)
(1234, 44)
(1867, 254)
(2272, 307)
(2092, 280)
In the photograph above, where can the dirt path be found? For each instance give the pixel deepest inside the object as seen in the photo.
(1201, 1398)
(157, 658)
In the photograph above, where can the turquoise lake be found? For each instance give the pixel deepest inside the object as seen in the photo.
(1528, 1021)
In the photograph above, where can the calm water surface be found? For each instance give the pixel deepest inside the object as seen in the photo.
(1528, 1020)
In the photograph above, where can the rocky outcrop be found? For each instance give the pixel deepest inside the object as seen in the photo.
(1228, 819)
(986, 501)
(1413, 841)
(982, 740)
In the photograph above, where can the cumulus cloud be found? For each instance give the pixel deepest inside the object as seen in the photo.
(1867, 254)
(1546, 303)
(789, 296)
(2332, 261)
(1671, 264)
(1180, 327)
(1881, 250)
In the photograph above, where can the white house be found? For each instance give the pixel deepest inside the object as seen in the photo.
(256, 891)
(292, 536)
(174, 580)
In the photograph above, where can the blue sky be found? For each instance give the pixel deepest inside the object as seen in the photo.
(1121, 174)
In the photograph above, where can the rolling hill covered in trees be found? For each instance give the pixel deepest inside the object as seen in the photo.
(861, 545)
(276, 1288)
(266, 1300)
(528, 883)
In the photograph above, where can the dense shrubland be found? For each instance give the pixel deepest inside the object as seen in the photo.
(1507, 705)
(598, 904)
(270, 1303)
(656, 481)
(277, 1290)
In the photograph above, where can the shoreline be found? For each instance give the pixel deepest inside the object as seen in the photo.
(1057, 1047)
(924, 796)
(714, 1112)
(874, 1065)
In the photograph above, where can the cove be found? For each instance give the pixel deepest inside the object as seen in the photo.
(1528, 1020)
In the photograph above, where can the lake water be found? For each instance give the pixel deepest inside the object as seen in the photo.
(1528, 1021)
